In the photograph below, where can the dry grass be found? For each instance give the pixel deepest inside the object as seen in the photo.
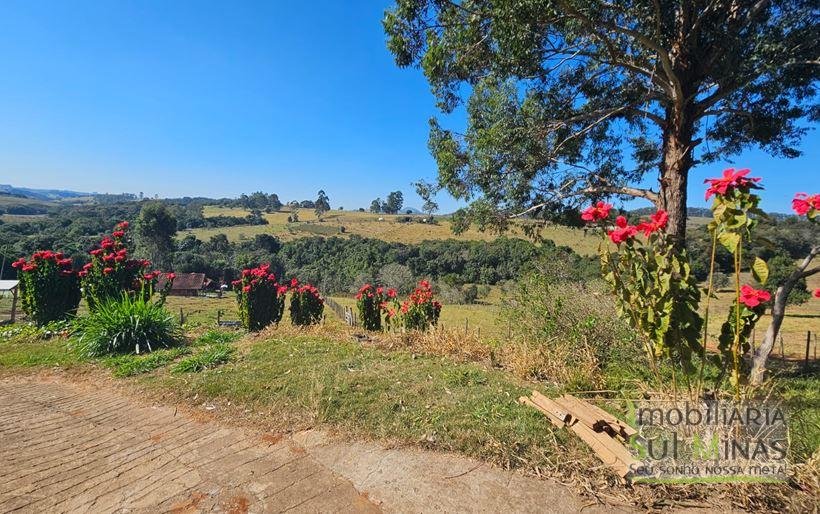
(366, 224)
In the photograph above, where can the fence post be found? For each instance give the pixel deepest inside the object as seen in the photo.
(218, 316)
(808, 343)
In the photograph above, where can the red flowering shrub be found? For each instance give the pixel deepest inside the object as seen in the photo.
(420, 311)
(805, 205)
(817, 293)
(372, 302)
(658, 293)
(111, 272)
(260, 298)
(306, 305)
(50, 289)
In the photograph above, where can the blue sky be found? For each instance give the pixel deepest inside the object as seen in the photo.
(219, 98)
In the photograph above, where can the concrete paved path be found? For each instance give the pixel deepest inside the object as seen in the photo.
(64, 448)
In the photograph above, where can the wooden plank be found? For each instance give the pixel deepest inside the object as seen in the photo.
(611, 453)
(595, 417)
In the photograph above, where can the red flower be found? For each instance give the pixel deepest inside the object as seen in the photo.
(294, 282)
(118, 233)
(108, 271)
(170, 276)
(599, 211)
(18, 263)
(817, 293)
(803, 203)
(246, 289)
(391, 293)
(656, 222)
(64, 262)
(424, 284)
(282, 290)
(29, 267)
(751, 297)
(82, 273)
(95, 252)
(623, 232)
(731, 179)
(379, 290)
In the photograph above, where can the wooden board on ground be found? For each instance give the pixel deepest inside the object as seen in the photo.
(577, 415)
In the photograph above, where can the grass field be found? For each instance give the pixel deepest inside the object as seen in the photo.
(368, 225)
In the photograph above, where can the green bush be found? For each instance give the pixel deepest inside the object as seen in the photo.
(128, 325)
(50, 290)
(306, 306)
(260, 298)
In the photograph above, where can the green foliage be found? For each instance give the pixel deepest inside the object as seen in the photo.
(658, 293)
(218, 337)
(306, 306)
(207, 358)
(322, 204)
(131, 324)
(260, 298)
(420, 311)
(112, 272)
(557, 93)
(369, 302)
(49, 289)
(393, 203)
(156, 228)
(569, 331)
(131, 365)
(780, 268)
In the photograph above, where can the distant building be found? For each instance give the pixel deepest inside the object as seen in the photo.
(186, 284)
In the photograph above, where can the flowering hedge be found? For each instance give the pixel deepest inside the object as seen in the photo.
(50, 289)
(658, 294)
(260, 298)
(372, 302)
(306, 305)
(111, 272)
(420, 311)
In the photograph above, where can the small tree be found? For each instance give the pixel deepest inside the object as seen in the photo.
(156, 228)
(394, 202)
(376, 206)
(427, 192)
(321, 205)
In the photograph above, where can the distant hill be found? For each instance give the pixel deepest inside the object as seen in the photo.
(40, 194)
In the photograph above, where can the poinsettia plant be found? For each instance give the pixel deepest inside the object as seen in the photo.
(111, 272)
(306, 304)
(658, 293)
(261, 299)
(420, 311)
(50, 289)
(655, 288)
(372, 302)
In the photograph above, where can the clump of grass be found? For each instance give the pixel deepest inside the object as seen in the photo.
(130, 365)
(214, 336)
(126, 325)
(208, 358)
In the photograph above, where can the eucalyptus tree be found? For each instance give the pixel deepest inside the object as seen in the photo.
(574, 99)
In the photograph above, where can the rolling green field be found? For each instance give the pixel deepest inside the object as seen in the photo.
(367, 224)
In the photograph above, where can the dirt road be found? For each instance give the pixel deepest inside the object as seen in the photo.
(65, 448)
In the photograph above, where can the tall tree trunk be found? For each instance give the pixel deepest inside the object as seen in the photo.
(674, 173)
(761, 355)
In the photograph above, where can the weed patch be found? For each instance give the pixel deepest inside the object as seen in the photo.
(130, 365)
(208, 358)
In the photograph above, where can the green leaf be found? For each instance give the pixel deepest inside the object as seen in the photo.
(730, 241)
(760, 271)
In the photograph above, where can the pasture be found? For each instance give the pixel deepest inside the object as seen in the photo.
(392, 228)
